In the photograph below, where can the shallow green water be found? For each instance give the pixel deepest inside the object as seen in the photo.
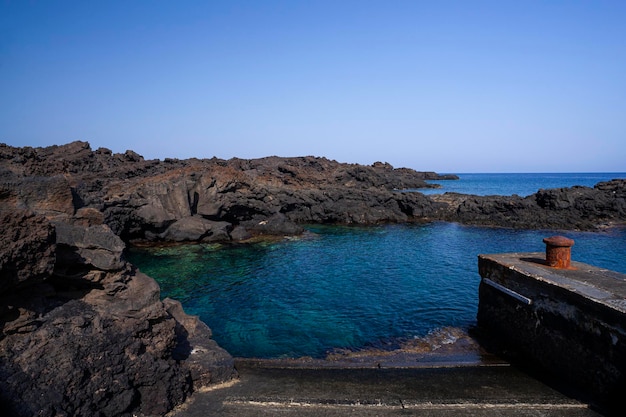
(345, 287)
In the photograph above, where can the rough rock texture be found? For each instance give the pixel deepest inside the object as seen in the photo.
(200, 200)
(267, 196)
(27, 248)
(582, 208)
(82, 332)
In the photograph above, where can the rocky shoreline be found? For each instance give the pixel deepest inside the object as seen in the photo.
(83, 332)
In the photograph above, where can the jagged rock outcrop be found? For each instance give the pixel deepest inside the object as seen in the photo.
(582, 208)
(83, 333)
(213, 199)
(27, 243)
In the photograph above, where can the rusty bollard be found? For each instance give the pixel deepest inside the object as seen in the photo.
(558, 251)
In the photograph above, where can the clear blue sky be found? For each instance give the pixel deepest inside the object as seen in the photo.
(449, 86)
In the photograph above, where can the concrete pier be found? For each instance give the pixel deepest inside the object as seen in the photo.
(265, 388)
(460, 379)
(569, 322)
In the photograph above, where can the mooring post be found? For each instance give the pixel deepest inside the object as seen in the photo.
(558, 251)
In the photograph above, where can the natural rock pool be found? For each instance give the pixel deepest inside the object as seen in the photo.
(346, 287)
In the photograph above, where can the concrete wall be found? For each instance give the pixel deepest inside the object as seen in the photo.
(570, 322)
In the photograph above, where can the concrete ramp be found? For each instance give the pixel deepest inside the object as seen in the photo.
(474, 390)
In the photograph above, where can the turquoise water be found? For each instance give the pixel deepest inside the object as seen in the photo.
(345, 287)
(349, 287)
(520, 184)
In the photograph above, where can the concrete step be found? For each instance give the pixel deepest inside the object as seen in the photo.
(469, 390)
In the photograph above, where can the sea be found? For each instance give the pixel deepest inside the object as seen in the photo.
(523, 184)
(353, 288)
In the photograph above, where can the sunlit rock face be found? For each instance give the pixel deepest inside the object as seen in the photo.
(573, 208)
(207, 200)
(82, 332)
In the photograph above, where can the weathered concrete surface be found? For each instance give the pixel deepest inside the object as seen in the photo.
(569, 322)
(270, 390)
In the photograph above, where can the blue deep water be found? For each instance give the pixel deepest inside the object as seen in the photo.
(520, 184)
(346, 287)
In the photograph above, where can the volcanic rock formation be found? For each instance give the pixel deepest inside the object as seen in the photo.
(574, 208)
(82, 332)
(208, 200)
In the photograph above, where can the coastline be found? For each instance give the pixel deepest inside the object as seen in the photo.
(69, 213)
(445, 347)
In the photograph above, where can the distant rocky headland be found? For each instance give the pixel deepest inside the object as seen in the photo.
(83, 332)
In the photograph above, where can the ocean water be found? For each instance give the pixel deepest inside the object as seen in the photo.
(520, 184)
(346, 287)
